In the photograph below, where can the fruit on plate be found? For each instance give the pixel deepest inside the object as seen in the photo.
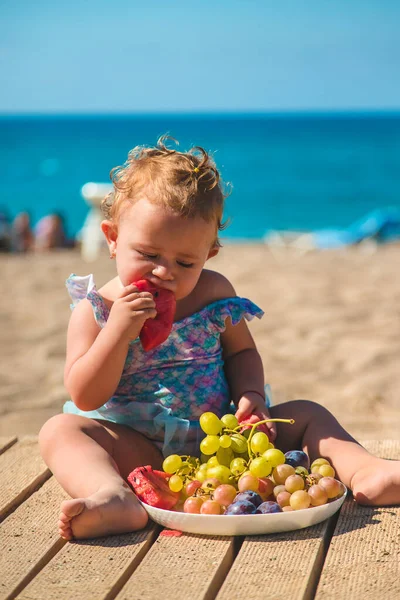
(237, 474)
(155, 331)
(152, 487)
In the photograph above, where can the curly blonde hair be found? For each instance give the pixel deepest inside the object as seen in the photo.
(188, 183)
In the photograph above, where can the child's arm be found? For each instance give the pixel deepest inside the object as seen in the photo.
(243, 366)
(245, 373)
(96, 357)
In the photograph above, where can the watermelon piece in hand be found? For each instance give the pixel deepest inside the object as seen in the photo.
(152, 487)
(155, 331)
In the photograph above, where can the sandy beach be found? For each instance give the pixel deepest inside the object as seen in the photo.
(331, 330)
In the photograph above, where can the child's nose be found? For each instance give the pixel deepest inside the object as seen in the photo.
(163, 271)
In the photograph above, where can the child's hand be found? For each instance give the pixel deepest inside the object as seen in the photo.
(252, 408)
(130, 311)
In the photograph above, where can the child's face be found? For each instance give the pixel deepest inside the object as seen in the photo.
(160, 246)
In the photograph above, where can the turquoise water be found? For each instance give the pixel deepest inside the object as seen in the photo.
(304, 171)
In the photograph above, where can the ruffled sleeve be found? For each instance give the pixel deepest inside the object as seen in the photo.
(84, 287)
(235, 308)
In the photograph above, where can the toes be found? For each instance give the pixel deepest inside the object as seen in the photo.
(64, 518)
(65, 531)
(72, 508)
(66, 535)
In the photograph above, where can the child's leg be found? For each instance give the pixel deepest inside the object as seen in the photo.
(90, 459)
(372, 480)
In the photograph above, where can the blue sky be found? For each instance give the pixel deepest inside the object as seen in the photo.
(160, 56)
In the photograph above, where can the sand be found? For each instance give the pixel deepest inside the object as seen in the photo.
(331, 330)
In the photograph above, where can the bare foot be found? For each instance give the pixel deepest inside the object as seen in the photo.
(107, 511)
(379, 484)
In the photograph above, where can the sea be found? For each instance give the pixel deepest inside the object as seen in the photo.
(285, 171)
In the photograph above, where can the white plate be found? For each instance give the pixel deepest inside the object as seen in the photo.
(243, 524)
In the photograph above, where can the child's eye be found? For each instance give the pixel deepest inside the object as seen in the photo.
(152, 256)
(185, 265)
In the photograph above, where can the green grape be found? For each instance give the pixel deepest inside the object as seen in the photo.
(175, 483)
(320, 461)
(282, 472)
(301, 471)
(270, 446)
(294, 483)
(260, 467)
(299, 500)
(239, 443)
(172, 463)
(210, 444)
(274, 456)
(326, 471)
(229, 421)
(201, 476)
(259, 442)
(246, 433)
(210, 423)
(201, 473)
(238, 466)
(224, 456)
(225, 441)
(219, 472)
(212, 462)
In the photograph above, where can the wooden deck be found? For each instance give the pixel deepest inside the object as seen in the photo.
(354, 555)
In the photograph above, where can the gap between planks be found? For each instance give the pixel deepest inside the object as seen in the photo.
(22, 471)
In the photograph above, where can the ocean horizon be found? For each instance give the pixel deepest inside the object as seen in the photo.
(298, 171)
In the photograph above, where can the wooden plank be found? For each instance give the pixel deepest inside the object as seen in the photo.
(363, 559)
(186, 567)
(89, 569)
(279, 566)
(29, 538)
(6, 442)
(22, 471)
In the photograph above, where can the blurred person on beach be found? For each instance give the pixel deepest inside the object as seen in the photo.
(50, 233)
(5, 233)
(22, 238)
(129, 407)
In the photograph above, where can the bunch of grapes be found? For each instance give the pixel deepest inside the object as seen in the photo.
(241, 472)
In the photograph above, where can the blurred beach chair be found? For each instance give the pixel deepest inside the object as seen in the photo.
(379, 226)
(90, 236)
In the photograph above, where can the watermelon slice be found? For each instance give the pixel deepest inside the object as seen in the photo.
(152, 487)
(155, 331)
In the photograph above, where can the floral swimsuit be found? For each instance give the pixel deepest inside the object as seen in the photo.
(163, 392)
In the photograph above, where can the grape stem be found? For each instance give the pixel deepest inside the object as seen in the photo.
(254, 427)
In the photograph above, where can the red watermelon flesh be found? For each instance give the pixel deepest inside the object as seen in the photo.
(155, 331)
(152, 487)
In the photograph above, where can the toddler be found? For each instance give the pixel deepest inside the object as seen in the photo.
(129, 407)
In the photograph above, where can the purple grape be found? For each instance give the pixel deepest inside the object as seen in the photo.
(268, 507)
(297, 458)
(250, 496)
(243, 507)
